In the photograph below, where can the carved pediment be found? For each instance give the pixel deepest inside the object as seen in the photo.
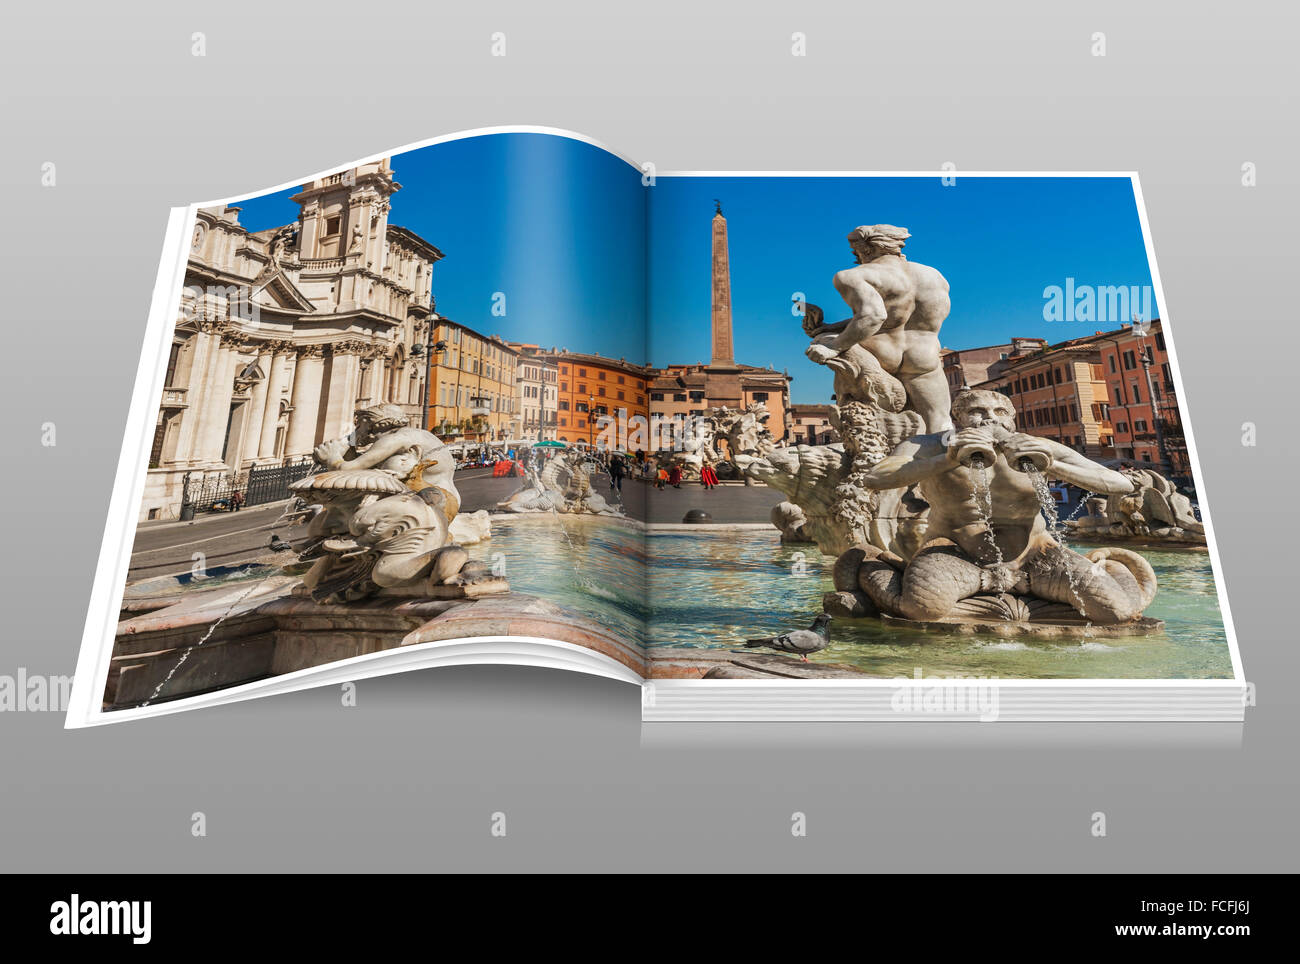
(277, 291)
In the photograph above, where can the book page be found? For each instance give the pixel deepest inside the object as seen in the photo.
(926, 426)
(392, 412)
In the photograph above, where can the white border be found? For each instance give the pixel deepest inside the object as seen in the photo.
(114, 561)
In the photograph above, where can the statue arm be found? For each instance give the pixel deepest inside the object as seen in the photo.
(869, 312)
(380, 450)
(912, 461)
(1069, 466)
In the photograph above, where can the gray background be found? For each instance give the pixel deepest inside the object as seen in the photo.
(408, 779)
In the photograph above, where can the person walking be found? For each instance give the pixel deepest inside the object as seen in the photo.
(661, 477)
(616, 474)
(675, 477)
(708, 477)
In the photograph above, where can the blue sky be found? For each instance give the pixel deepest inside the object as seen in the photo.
(998, 241)
(560, 227)
(555, 224)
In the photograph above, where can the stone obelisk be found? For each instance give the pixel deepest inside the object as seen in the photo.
(723, 350)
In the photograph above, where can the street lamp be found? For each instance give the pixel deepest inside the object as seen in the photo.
(1145, 353)
(591, 426)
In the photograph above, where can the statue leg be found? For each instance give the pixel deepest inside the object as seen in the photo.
(928, 393)
(1106, 590)
(937, 578)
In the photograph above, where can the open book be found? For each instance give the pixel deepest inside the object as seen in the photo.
(828, 446)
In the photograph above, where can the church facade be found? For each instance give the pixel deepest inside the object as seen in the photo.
(283, 333)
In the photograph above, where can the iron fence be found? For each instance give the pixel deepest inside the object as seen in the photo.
(259, 485)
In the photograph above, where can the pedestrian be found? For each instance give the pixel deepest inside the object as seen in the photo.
(616, 474)
(708, 477)
(661, 477)
(675, 477)
(236, 500)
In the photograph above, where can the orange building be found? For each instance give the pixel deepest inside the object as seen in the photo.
(681, 391)
(1060, 393)
(1143, 399)
(591, 386)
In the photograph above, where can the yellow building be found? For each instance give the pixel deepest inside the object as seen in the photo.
(472, 387)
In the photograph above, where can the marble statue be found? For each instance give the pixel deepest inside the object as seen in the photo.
(986, 532)
(536, 495)
(897, 309)
(388, 506)
(726, 438)
(1155, 511)
(791, 522)
(926, 521)
(695, 446)
(562, 485)
(744, 429)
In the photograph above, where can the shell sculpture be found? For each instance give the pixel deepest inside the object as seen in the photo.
(348, 481)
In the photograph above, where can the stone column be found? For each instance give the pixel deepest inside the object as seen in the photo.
(257, 404)
(306, 401)
(345, 369)
(377, 376)
(363, 382)
(274, 392)
(216, 407)
(205, 343)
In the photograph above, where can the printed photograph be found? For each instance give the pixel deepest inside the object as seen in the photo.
(513, 386)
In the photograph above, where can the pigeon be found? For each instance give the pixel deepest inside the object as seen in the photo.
(279, 545)
(800, 642)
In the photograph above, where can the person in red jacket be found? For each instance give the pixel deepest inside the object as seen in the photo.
(675, 476)
(708, 477)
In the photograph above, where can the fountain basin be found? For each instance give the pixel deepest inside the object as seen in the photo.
(1008, 629)
(267, 629)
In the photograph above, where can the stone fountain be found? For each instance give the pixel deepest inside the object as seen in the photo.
(936, 509)
(380, 567)
(1154, 513)
(723, 437)
(388, 503)
(562, 485)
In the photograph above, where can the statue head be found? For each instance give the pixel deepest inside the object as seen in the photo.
(973, 408)
(871, 241)
(376, 420)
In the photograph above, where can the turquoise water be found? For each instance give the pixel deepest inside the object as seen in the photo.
(592, 566)
(717, 588)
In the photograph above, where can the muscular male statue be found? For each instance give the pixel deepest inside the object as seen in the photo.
(898, 307)
(988, 535)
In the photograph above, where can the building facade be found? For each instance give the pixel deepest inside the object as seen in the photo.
(967, 367)
(283, 333)
(811, 425)
(592, 386)
(1059, 393)
(1143, 400)
(681, 391)
(473, 391)
(538, 393)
